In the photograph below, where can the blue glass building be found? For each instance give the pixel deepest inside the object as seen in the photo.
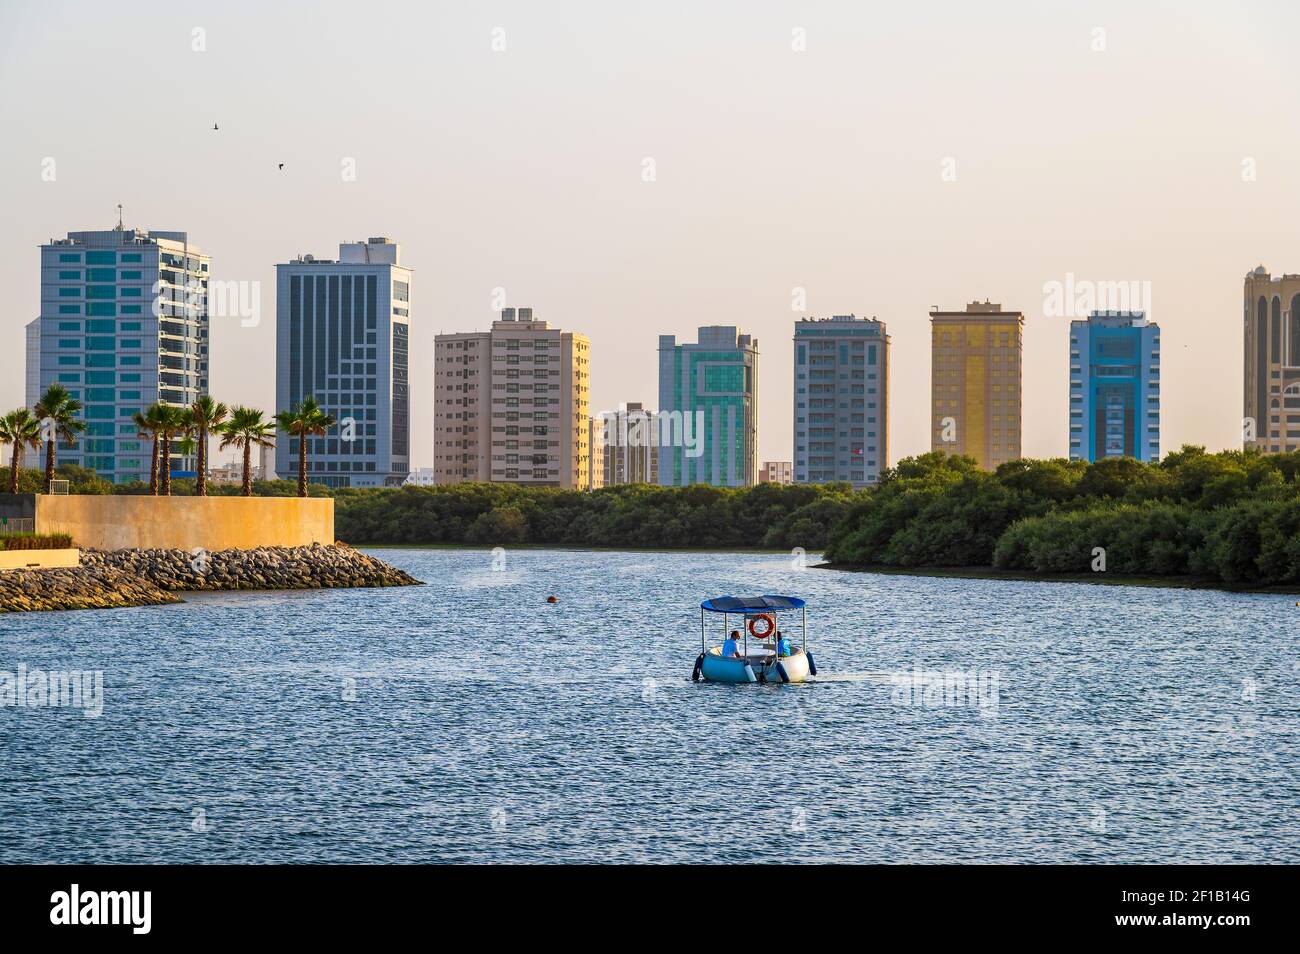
(123, 323)
(1115, 387)
(343, 337)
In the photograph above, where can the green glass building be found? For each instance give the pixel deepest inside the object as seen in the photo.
(708, 409)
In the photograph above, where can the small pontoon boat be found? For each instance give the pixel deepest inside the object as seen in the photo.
(775, 658)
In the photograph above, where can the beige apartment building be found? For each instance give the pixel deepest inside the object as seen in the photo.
(511, 405)
(975, 369)
(1272, 362)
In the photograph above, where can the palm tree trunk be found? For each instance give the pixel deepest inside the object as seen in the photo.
(201, 479)
(167, 464)
(248, 468)
(15, 462)
(302, 464)
(49, 466)
(153, 468)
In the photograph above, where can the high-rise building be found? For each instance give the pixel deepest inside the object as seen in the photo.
(1115, 386)
(630, 439)
(841, 400)
(596, 454)
(777, 472)
(343, 337)
(1272, 362)
(123, 324)
(33, 387)
(708, 407)
(975, 402)
(511, 404)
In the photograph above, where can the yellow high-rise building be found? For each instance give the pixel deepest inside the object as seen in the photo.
(975, 399)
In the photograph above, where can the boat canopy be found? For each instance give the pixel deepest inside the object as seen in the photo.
(751, 605)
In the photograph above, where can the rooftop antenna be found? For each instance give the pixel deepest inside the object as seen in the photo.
(119, 217)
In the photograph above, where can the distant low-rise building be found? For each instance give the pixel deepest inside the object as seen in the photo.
(777, 472)
(420, 477)
(630, 442)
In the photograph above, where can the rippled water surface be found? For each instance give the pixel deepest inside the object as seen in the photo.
(468, 720)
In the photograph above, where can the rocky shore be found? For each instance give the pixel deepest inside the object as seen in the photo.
(114, 578)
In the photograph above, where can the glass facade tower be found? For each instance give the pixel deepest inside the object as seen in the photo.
(1115, 387)
(123, 324)
(343, 337)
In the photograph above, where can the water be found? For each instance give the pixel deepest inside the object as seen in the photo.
(1126, 724)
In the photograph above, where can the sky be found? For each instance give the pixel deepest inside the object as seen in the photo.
(630, 171)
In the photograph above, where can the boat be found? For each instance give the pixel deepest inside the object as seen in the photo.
(769, 661)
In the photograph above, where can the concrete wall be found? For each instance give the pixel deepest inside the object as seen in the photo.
(45, 559)
(215, 523)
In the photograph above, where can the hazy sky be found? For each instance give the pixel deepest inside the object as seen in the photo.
(1113, 155)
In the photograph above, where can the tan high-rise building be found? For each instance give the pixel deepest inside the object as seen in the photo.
(511, 405)
(975, 363)
(1272, 362)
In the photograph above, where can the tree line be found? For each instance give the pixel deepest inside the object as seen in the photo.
(1230, 518)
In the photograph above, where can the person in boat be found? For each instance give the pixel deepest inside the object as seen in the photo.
(783, 647)
(731, 645)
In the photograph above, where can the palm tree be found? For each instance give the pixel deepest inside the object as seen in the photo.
(245, 428)
(206, 415)
(307, 418)
(57, 410)
(175, 422)
(22, 430)
(150, 425)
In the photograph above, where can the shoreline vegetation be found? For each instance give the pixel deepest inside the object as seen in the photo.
(120, 578)
(1229, 520)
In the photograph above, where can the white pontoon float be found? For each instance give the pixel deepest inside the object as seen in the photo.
(774, 660)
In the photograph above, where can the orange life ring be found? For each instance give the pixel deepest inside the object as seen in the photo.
(767, 618)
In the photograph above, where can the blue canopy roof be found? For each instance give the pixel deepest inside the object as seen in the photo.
(752, 605)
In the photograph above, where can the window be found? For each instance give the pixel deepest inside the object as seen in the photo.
(69, 257)
(69, 292)
(69, 309)
(100, 258)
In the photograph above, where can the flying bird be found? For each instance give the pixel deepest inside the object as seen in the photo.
(282, 165)
(215, 126)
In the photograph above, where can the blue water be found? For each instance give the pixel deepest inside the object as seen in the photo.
(468, 720)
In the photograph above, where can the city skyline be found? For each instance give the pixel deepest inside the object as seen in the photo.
(886, 227)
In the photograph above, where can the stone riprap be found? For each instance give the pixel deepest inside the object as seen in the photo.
(111, 578)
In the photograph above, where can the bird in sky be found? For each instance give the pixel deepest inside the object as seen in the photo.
(215, 126)
(282, 165)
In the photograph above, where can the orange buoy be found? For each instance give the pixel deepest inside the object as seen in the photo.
(552, 599)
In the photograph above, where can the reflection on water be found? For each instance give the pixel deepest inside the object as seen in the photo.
(468, 720)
